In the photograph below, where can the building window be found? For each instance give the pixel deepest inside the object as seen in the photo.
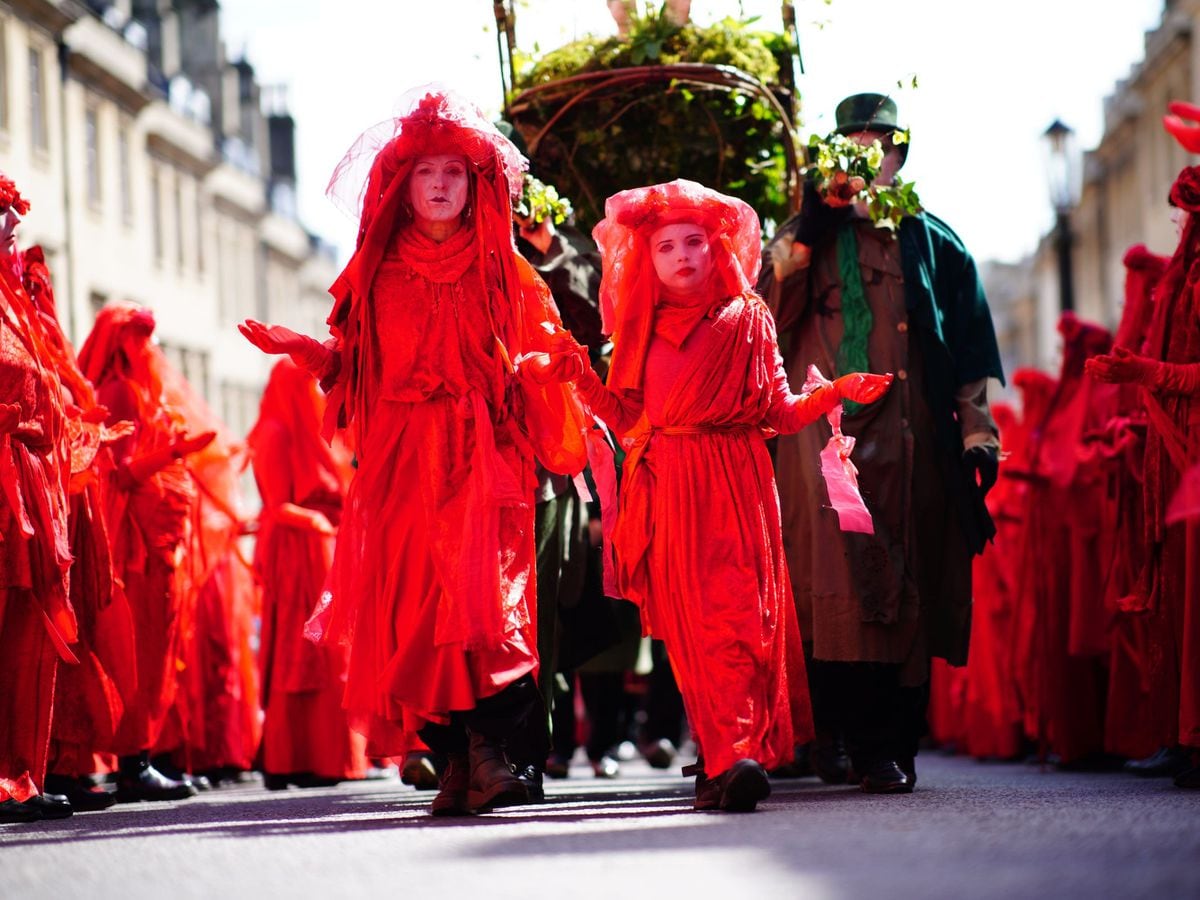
(124, 174)
(156, 212)
(39, 133)
(178, 198)
(96, 302)
(91, 127)
(199, 228)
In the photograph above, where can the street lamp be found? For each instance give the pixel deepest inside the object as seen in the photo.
(1063, 177)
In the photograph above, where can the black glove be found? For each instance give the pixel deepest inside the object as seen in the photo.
(817, 220)
(983, 465)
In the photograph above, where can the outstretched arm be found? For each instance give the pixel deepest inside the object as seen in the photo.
(318, 359)
(790, 412)
(1123, 367)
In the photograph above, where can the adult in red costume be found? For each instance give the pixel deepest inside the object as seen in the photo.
(433, 579)
(214, 724)
(1062, 634)
(302, 481)
(87, 701)
(149, 499)
(1169, 375)
(696, 387)
(37, 624)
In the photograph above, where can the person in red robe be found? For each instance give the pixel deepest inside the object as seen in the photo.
(213, 729)
(302, 480)
(433, 580)
(87, 702)
(696, 386)
(1061, 642)
(150, 494)
(1168, 373)
(37, 624)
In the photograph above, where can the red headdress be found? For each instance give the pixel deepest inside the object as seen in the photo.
(630, 289)
(10, 197)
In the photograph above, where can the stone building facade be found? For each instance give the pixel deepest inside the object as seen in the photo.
(156, 176)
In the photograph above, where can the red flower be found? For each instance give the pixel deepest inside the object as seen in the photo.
(11, 197)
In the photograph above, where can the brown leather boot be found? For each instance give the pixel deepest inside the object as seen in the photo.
(743, 785)
(492, 784)
(451, 799)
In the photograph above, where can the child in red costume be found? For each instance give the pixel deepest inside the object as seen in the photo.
(1168, 371)
(696, 387)
(150, 496)
(302, 481)
(37, 624)
(433, 580)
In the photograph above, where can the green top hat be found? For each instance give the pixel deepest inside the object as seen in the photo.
(866, 112)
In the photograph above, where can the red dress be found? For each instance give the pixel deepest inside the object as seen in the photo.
(299, 477)
(698, 541)
(36, 620)
(434, 572)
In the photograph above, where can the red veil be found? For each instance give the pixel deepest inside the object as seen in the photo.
(371, 181)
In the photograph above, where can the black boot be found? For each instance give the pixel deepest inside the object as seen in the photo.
(138, 781)
(50, 806)
(708, 790)
(492, 783)
(885, 778)
(1166, 762)
(80, 793)
(419, 771)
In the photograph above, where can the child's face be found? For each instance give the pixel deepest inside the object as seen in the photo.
(682, 256)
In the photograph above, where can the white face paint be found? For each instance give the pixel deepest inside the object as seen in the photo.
(8, 232)
(682, 256)
(438, 187)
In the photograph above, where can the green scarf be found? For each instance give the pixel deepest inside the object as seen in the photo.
(856, 314)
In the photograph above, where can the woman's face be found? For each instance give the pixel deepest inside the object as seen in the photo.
(8, 232)
(1179, 219)
(438, 187)
(681, 255)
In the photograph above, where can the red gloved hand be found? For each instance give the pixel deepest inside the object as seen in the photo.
(1121, 367)
(1187, 135)
(302, 517)
(10, 417)
(546, 368)
(862, 387)
(308, 353)
(145, 466)
(193, 443)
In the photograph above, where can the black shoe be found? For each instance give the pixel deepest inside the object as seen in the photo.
(531, 777)
(1189, 779)
(743, 786)
(885, 778)
(605, 767)
(139, 781)
(420, 772)
(660, 754)
(830, 761)
(50, 806)
(80, 793)
(451, 799)
(1167, 762)
(14, 811)
(274, 782)
(908, 765)
(558, 767)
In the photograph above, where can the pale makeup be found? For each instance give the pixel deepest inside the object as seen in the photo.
(8, 232)
(1179, 219)
(682, 256)
(438, 189)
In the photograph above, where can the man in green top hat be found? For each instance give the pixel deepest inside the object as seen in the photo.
(875, 608)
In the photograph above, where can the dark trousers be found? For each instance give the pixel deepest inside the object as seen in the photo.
(664, 703)
(513, 718)
(864, 702)
(603, 701)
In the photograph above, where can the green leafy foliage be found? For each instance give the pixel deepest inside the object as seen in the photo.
(841, 167)
(540, 201)
(649, 131)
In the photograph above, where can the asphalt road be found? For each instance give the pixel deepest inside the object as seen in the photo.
(970, 830)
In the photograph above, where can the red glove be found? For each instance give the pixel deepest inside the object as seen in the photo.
(862, 387)
(302, 517)
(308, 353)
(547, 368)
(1123, 367)
(143, 467)
(1188, 136)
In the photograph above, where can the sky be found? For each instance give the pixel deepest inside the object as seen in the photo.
(991, 76)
